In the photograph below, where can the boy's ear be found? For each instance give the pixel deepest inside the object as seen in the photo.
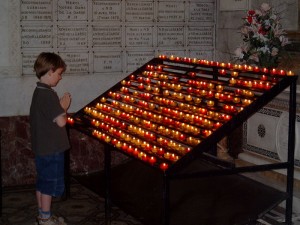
(50, 72)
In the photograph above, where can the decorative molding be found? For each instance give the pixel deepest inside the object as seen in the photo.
(278, 110)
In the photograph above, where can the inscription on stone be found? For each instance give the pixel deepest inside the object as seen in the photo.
(78, 62)
(139, 11)
(200, 36)
(202, 11)
(107, 62)
(36, 36)
(171, 11)
(38, 10)
(137, 59)
(204, 54)
(172, 52)
(170, 36)
(107, 10)
(139, 36)
(72, 10)
(115, 36)
(28, 60)
(107, 36)
(69, 36)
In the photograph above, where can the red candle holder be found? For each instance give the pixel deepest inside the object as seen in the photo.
(163, 166)
(152, 160)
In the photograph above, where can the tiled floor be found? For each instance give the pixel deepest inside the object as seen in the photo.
(131, 187)
(82, 208)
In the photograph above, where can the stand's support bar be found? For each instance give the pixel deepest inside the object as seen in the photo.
(107, 170)
(230, 171)
(67, 193)
(291, 149)
(67, 171)
(166, 200)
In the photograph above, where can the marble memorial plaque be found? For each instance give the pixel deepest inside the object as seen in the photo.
(231, 5)
(171, 11)
(116, 35)
(200, 36)
(136, 59)
(72, 36)
(107, 36)
(172, 52)
(37, 10)
(28, 60)
(203, 54)
(139, 11)
(36, 36)
(72, 10)
(202, 11)
(139, 36)
(170, 36)
(107, 10)
(77, 62)
(107, 62)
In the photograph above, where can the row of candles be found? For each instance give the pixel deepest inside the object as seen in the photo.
(219, 94)
(172, 116)
(244, 67)
(144, 83)
(162, 136)
(123, 135)
(190, 94)
(196, 95)
(137, 149)
(130, 97)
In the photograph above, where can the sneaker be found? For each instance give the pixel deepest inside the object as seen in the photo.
(53, 220)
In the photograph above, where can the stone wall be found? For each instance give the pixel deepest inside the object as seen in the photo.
(17, 159)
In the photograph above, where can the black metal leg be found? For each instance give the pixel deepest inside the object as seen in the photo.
(1, 190)
(67, 176)
(107, 169)
(166, 201)
(291, 148)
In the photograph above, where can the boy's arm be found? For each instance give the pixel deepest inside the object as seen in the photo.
(65, 102)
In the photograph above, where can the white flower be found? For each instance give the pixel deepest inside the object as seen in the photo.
(278, 32)
(267, 23)
(254, 57)
(273, 17)
(284, 41)
(260, 37)
(239, 53)
(264, 49)
(274, 51)
(265, 7)
(245, 30)
(258, 12)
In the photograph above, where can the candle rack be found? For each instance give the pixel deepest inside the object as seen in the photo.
(173, 110)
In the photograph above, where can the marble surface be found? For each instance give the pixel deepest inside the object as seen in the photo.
(17, 159)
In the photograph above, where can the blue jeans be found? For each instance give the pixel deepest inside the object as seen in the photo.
(50, 174)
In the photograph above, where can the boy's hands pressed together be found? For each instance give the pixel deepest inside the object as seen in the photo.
(65, 101)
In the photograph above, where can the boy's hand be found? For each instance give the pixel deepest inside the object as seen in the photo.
(65, 101)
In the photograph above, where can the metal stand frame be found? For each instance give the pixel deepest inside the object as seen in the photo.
(209, 145)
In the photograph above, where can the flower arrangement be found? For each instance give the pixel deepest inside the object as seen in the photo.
(263, 38)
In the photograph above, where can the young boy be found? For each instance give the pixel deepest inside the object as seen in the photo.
(48, 134)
